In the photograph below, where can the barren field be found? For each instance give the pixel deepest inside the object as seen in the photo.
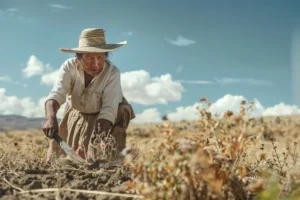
(235, 157)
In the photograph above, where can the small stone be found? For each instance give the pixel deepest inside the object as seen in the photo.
(34, 185)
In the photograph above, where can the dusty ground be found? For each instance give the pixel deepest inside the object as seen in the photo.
(22, 166)
(107, 179)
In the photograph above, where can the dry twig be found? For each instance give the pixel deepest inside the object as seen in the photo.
(73, 190)
(21, 190)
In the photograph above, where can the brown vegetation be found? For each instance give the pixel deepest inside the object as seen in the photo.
(235, 157)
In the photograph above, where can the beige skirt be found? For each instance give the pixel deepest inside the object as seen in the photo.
(77, 129)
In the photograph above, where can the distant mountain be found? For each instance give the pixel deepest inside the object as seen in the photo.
(19, 122)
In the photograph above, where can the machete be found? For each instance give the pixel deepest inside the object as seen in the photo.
(69, 151)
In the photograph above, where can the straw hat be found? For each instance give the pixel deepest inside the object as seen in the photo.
(92, 40)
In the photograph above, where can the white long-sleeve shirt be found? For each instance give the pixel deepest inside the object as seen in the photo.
(102, 95)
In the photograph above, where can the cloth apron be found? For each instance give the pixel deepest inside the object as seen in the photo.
(77, 130)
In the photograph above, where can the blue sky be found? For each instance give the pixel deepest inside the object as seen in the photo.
(217, 49)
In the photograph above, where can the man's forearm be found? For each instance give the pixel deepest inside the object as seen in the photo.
(51, 108)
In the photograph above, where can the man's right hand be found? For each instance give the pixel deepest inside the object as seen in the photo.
(50, 127)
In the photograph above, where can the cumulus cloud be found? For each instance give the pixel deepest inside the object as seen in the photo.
(23, 106)
(139, 87)
(50, 78)
(20, 106)
(147, 116)
(185, 113)
(181, 41)
(232, 103)
(48, 68)
(34, 67)
(60, 6)
(30, 108)
(281, 109)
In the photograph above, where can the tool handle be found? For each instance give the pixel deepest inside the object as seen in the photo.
(57, 138)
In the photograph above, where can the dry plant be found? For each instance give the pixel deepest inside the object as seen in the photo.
(231, 156)
(104, 147)
(215, 162)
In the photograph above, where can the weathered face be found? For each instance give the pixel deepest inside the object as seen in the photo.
(93, 63)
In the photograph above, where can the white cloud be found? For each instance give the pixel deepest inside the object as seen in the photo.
(60, 6)
(128, 33)
(147, 116)
(48, 68)
(5, 78)
(185, 113)
(23, 106)
(248, 81)
(200, 82)
(29, 108)
(34, 67)
(227, 81)
(12, 11)
(138, 87)
(50, 78)
(25, 19)
(181, 41)
(179, 69)
(232, 103)
(281, 109)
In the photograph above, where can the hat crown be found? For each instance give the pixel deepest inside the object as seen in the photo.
(92, 37)
(93, 40)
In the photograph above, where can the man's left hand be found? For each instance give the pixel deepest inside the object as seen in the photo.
(104, 125)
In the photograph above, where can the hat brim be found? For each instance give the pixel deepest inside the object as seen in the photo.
(98, 49)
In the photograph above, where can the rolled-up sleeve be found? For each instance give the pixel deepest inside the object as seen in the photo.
(62, 85)
(112, 96)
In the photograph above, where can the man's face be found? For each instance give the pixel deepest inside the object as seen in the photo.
(93, 63)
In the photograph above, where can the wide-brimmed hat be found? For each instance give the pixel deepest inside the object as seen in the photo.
(92, 40)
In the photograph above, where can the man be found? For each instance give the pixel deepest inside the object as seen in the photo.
(90, 85)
